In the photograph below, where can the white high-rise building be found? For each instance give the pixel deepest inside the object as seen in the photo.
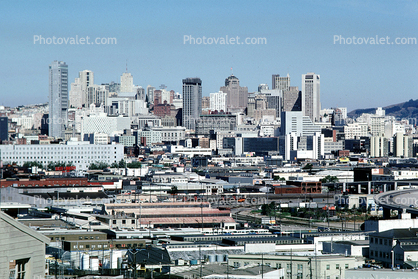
(58, 99)
(76, 94)
(126, 83)
(311, 104)
(97, 94)
(218, 101)
(79, 89)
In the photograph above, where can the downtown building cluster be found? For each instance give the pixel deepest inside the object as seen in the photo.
(118, 177)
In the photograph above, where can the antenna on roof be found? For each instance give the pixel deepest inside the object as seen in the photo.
(126, 65)
(232, 72)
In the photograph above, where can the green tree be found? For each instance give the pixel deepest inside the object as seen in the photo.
(173, 191)
(268, 209)
(134, 165)
(329, 179)
(98, 166)
(120, 164)
(32, 164)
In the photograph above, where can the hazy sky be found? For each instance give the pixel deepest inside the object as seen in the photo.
(150, 35)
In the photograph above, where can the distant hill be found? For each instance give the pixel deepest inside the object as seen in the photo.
(407, 109)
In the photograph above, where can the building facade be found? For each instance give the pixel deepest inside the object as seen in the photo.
(58, 99)
(192, 102)
(311, 104)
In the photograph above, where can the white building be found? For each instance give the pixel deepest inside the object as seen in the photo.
(353, 130)
(188, 151)
(126, 104)
(377, 126)
(102, 123)
(97, 94)
(126, 83)
(171, 134)
(151, 136)
(79, 153)
(25, 122)
(218, 101)
(379, 147)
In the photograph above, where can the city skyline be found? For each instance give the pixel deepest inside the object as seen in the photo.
(301, 40)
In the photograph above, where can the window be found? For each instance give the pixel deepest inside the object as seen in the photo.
(328, 267)
(337, 266)
(114, 222)
(346, 266)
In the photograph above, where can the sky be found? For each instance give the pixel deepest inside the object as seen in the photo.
(299, 37)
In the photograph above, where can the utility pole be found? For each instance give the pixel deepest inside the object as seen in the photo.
(262, 266)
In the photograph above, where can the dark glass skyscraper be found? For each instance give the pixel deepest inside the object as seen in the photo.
(192, 101)
(4, 128)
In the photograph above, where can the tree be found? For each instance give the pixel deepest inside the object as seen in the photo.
(329, 179)
(134, 165)
(268, 209)
(173, 191)
(120, 164)
(32, 164)
(98, 166)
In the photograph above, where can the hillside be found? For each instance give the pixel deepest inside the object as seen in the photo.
(407, 109)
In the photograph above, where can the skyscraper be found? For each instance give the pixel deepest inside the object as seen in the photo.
(79, 89)
(311, 104)
(282, 83)
(150, 94)
(218, 101)
(4, 128)
(236, 96)
(58, 98)
(192, 101)
(126, 83)
(292, 99)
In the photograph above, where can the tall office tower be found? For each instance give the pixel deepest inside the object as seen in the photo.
(79, 89)
(402, 145)
(4, 128)
(292, 99)
(86, 80)
(126, 83)
(311, 104)
(140, 93)
(237, 96)
(218, 101)
(192, 102)
(282, 83)
(75, 97)
(98, 95)
(58, 98)
(150, 94)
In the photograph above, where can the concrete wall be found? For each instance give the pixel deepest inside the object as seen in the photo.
(16, 244)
